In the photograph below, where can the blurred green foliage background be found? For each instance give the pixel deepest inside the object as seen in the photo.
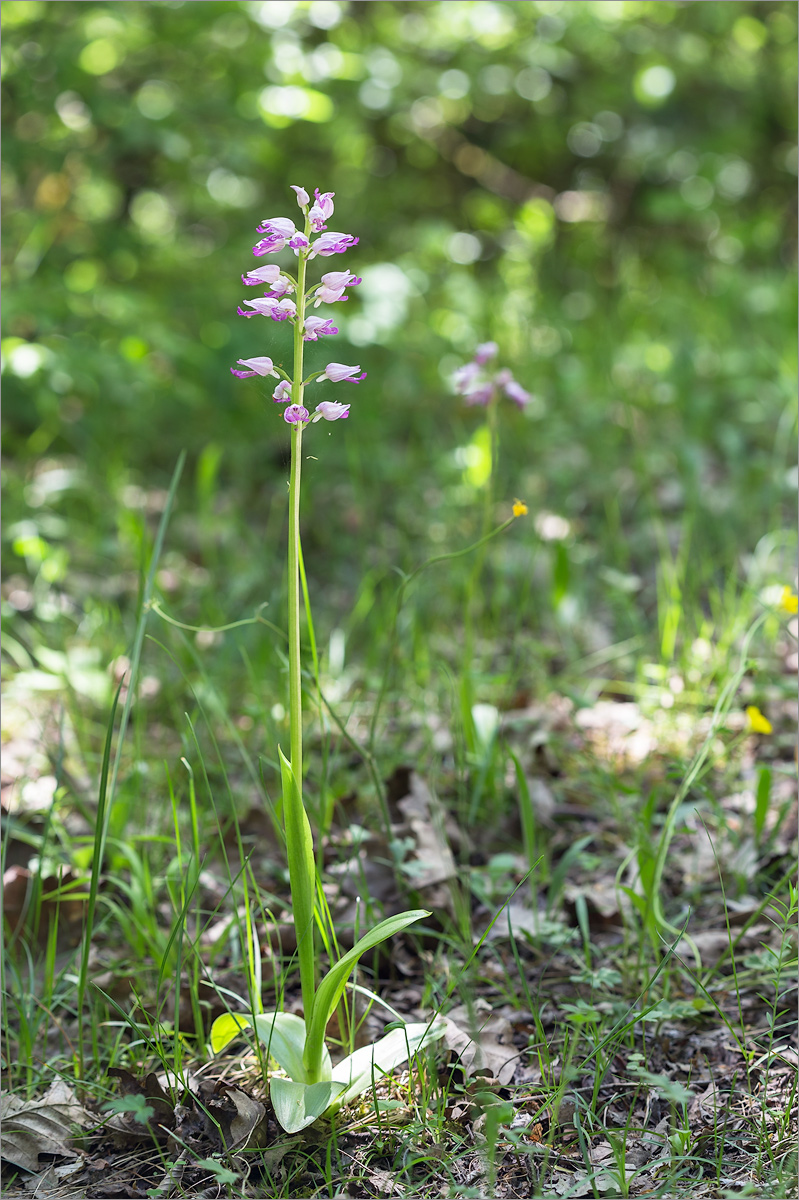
(606, 189)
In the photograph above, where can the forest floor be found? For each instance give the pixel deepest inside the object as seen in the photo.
(617, 970)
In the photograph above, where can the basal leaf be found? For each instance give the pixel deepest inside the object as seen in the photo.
(228, 1027)
(298, 1105)
(283, 1034)
(333, 984)
(358, 1070)
(302, 877)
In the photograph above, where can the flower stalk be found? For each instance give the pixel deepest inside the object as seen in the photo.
(295, 671)
(481, 386)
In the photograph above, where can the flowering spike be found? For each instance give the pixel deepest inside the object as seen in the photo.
(477, 387)
(280, 233)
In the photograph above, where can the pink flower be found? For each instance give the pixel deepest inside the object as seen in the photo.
(478, 387)
(268, 274)
(485, 352)
(322, 210)
(332, 287)
(481, 395)
(299, 242)
(267, 306)
(295, 414)
(316, 326)
(336, 372)
(332, 243)
(303, 199)
(331, 411)
(282, 392)
(465, 377)
(514, 391)
(279, 284)
(279, 230)
(255, 366)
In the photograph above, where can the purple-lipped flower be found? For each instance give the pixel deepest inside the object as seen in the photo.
(332, 243)
(515, 392)
(482, 395)
(321, 211)
(485, 352)
(332, 287)
(329, 410)
(465, 377)
(315, 327)
(255, 366)
(269, 275)
(337, 372)
(296, 414)
(279, 230)
(282, 392)
(268, 306)
(477, 386)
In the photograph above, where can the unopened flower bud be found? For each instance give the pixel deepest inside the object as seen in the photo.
(255, 366)
(336, 372)
(331, 411)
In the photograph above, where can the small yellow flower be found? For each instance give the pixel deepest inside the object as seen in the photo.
(519, 508)
(789, 601)
(757, 722)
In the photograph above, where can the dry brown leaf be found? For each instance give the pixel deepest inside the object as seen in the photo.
(522, 920)
(434, 862)
(34, 1127)
(247, 1128)
(488, 1047)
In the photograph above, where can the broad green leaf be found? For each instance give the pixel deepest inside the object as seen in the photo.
(372, 1062)
(282, 1033)
(333, 984)
(228, 1027)
(298, 1105)
(302, 877)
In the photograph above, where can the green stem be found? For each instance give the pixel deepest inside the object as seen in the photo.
(472, 586)
(299, 841)
(295, 678)
(295, 674)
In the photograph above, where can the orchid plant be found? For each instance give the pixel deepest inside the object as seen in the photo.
(483, 386)
(314, 1086)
